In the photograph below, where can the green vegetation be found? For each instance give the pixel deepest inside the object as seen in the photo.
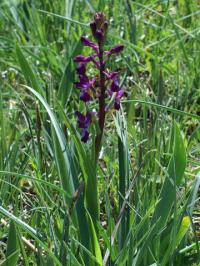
(140, 205)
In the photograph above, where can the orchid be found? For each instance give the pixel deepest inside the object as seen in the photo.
(84, 123)
(101, 87)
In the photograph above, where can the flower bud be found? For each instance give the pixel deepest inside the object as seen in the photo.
(99, 36)
(93, 27)
(99, 18)
(105, 26)
(117, 49)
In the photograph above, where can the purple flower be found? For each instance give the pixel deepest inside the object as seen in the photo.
(118, 97)
(115, 50)
(85, 41)
(84, 122)
(81, 69)
(99, 35)
(112, 75)
(85, 86)
(93, 27)
(85, 95)
(82, 59)
(115, 86)
(85, 83)
(84, 135)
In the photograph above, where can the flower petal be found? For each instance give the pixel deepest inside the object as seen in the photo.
(92, 81)
(117, 49)
(84, 79)
(99, 35)
(93, 27)
(82, 59)
(84, 82)
(120, 94)
(112, 75)
(85, 41)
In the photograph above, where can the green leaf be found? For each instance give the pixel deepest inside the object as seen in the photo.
(95, 243)
(175, 171)
(13, 244)
(11, 259)
(88, 171)
(67, 180)
(30, 230)
(185, 225)
(12, 252)
(28, 73)
(167, 195)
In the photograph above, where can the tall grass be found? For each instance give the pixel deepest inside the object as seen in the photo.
(137, 207)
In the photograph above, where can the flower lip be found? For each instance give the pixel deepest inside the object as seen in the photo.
(117, 99)
(117, 49)
(81, 117)
(81, 70)
(85, 96)
(115, 86)
(117, 105)
(84, 135)
(85, 83)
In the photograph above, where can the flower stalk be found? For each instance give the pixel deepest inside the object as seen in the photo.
(102, 109)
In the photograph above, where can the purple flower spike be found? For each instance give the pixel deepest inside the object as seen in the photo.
(82, 59)
(100, 84)
(85, 41)
(115, 50)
